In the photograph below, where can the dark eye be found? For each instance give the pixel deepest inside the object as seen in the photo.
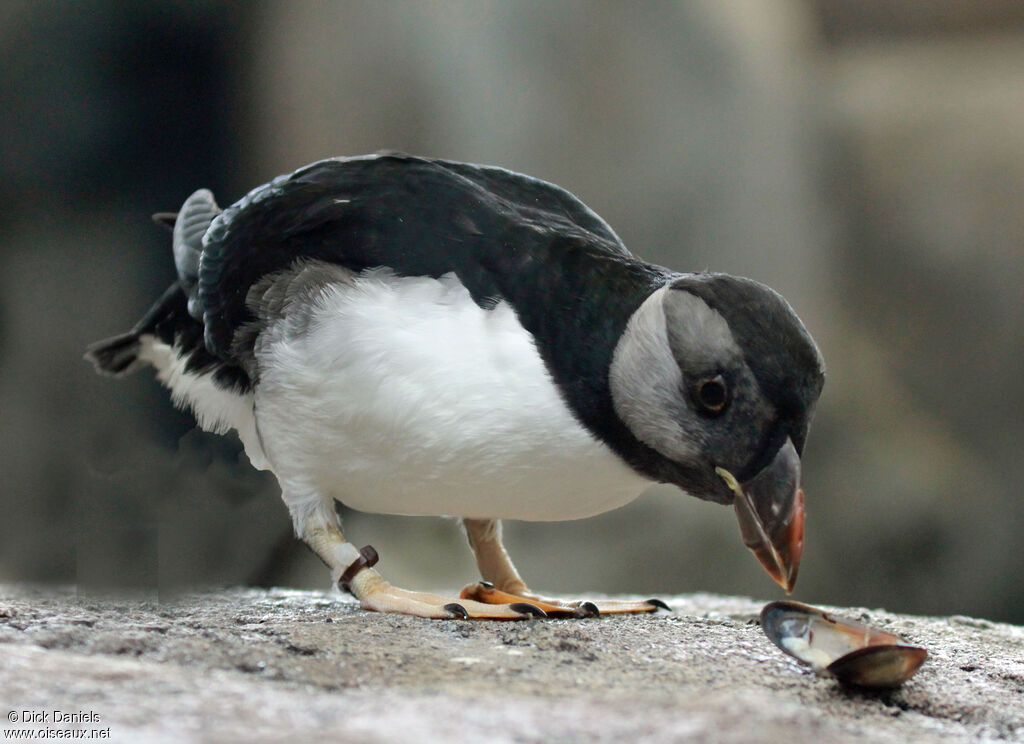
(712, 394)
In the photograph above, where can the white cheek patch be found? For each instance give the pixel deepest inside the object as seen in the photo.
(702, 332)
(647, 384)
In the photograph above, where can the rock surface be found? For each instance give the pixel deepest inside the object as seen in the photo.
(248, 665)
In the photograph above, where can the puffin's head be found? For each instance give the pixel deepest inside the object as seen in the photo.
(718, 375)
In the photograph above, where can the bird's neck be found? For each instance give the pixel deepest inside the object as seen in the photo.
(576, 299)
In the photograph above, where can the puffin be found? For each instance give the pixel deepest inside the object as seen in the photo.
(416, 336)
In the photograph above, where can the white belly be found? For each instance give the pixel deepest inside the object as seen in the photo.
(404, 397)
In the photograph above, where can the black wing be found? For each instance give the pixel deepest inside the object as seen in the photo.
(418, 216)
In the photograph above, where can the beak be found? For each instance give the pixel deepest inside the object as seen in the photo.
(770, 510)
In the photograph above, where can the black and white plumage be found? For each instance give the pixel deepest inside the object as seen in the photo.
(417, 336)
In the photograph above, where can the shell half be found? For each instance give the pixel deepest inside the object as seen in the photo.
(851, 652)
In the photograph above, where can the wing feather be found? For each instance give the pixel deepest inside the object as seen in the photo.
(417, 216)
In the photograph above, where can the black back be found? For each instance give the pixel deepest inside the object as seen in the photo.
(417, 216)
(506, 236)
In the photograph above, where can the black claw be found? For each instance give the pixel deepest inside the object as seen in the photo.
(587, 609)
(660, 604)
(486, 584)
(524, 608)
(458, 610)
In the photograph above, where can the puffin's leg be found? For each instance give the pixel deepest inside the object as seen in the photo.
(320, 529)
(502, 583)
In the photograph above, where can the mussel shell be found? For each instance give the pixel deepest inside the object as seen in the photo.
(852, 652)
(878, 666)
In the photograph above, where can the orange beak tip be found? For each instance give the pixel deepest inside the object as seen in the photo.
(770, 510)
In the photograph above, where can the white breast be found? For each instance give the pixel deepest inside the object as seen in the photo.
(402, 396)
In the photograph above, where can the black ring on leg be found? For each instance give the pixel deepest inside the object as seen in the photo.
(367, 557)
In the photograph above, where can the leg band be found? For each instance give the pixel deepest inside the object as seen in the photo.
(367, 557)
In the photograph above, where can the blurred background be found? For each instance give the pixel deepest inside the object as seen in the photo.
(863, 157)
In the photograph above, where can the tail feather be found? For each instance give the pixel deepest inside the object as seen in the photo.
(173, 319)
(117, 356)
(166, 219)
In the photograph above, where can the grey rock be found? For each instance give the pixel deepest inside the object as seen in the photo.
(276, 665)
